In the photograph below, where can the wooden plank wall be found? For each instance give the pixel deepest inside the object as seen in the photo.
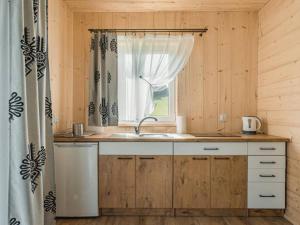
(221, 76)
(61, 63)
(279, 86)
(159, 5)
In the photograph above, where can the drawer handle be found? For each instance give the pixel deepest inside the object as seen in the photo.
(261, 175)
(211, 149)
(267, 196)
(267, 149)
(148, 158)
(267, 162)
(125, 158)
(199, 158)
(221, 158)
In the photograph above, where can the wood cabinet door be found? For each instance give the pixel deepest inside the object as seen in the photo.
(191, 182)
(154, 181)
(228, 181)
(117, 181)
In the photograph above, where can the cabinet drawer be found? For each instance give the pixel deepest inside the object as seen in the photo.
(210, 148)
(266, 175)
(266, 162)
(266, 195)
(136, 148)
(266, 148)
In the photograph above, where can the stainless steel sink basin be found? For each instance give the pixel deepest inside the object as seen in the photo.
(142, 135)
(124, 135)
(150, 135)
(154, 135)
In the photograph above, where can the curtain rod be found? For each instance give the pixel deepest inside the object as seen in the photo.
(201, 30)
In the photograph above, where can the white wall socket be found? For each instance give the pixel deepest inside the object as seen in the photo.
(223, 117)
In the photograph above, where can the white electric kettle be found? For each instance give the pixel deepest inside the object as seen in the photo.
(251, 124)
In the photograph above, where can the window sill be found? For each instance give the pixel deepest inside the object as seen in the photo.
(148, 124)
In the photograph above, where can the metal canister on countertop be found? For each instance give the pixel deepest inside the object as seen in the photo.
(77, 129)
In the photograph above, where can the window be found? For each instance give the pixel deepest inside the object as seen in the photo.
(131, 91)
(147, 67)
(134, 101)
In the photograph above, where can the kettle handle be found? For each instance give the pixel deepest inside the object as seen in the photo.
(259, 122)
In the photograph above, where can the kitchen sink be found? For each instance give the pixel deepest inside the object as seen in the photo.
(150, 135)
(155, 135)
(124, 135)
(142, 135)
(171, 135)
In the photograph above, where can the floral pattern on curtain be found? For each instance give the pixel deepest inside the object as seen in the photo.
(32, 198)
(103, 80)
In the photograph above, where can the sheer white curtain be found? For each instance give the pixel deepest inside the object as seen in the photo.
(146, 64)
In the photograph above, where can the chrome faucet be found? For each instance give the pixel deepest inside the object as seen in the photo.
(137, 129)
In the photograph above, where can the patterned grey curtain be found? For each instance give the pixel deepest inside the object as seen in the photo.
(103, 80)
(31, 168)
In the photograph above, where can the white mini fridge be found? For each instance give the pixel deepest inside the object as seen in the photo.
(76, 176)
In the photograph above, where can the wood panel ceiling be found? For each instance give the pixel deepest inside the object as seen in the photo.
(164, 5)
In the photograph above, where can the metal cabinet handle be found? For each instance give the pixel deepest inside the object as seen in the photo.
(200, 158)
(272, 175)
(211, 149)
(267, 149)
(267, 196)
(221, 158)
(267, 162)
(125, 158)
(147, 158)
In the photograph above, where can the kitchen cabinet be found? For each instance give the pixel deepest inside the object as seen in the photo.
(206, 175)
(210, 148)
(192, 182)
(154, 181)
(266, 148)
(131, 177)
(269, 195)
(224, 175)
(117, 181)
(228, 181)
(266, 175)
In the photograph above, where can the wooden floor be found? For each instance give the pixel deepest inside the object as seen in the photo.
(142, 220)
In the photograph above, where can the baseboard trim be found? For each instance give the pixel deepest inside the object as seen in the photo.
(266, 212)
(194, 212)
(211, 212)
(137, 212)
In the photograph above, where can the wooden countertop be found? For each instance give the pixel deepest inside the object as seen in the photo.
(108, 138)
